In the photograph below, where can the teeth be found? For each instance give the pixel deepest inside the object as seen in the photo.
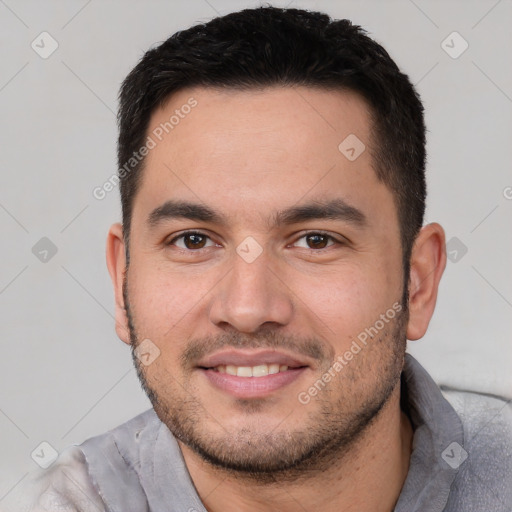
(273, 368)
(252, 371)
(257, 371)
(244, 371)
(230, 369)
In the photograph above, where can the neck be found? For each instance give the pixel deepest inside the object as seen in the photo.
(368, 476)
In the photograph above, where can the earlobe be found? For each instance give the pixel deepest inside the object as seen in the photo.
(116, 263)
(428, 261)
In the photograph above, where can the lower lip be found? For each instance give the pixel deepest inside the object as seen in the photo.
(252, 387)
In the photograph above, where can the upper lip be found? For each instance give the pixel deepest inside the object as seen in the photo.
(251, 358)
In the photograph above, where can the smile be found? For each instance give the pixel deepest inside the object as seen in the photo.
(260, 370)
(252, 374)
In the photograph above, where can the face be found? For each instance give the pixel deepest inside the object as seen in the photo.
(261, 256)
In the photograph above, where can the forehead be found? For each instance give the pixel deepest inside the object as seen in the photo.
(288, 121)
(243, 151)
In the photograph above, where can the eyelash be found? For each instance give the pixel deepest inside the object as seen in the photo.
(330, 238)
(183, 235)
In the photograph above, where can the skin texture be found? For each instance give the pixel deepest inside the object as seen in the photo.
(248, 156)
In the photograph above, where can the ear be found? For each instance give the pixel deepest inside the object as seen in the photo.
(116, 263)
(428, 261)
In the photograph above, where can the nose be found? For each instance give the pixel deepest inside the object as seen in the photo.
(251, 296)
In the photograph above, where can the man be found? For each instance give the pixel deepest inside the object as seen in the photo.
(270, 267)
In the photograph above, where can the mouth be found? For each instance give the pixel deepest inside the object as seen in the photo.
(261, 370)
(251, 375)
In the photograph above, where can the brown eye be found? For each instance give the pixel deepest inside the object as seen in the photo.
(191, 241)
(194, 241)
(317, 241)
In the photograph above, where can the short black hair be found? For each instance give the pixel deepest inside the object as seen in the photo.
(269, 46)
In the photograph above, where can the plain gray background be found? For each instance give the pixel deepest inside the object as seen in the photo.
(65, 375)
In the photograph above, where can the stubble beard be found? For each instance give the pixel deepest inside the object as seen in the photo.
(329, 432)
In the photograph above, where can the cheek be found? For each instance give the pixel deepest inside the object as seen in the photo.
(344, 302)
(162, 300)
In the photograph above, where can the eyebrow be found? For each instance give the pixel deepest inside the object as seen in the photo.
(336, 209)
(184, 210)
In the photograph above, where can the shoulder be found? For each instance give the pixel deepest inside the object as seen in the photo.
(484, 478)
(71, 483)
(480, 412)
(64, 486)
(123, 440)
